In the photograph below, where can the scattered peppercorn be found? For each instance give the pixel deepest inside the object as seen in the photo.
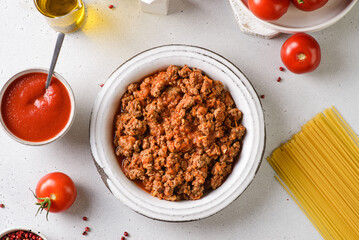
(262, 96)
(101, 85)
(279, 79)
(125, 234)
(2, 205)
(84, 233)
(123, 238)
(87, 229)
(84, 218)
(110, 7)
(281, 69)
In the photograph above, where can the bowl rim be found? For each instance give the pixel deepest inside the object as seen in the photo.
(10, 230)
(314, 28)
(72, 100)
(259, 113)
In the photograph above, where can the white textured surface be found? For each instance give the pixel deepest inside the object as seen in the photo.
(109, 37)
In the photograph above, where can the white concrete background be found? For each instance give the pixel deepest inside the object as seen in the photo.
(107, 39)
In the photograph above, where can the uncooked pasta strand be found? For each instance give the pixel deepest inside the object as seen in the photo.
(319, 168)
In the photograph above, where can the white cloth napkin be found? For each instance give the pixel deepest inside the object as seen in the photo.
(249, 24)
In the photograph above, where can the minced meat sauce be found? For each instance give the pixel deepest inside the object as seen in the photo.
(178, 133)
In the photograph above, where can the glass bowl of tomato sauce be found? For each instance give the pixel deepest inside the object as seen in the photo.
(32, 114)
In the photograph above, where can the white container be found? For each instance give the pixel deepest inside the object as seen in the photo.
(295, 20)
(159, 7)
(105, 109)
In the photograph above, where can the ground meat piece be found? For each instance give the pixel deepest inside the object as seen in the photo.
(134, 108)
(135, 127)
(207, 86)
(235, 115)
(237, 133)
(126, 99)
(206, 128)
(219, 172)
(133, 167)
(178, 133)
(228, 100)
(213, 151)
(220, 115)
(158, 84)
(172, 73)
(147, 158)
(186, 102)
(160, 162)
(196, 78)
(218, 88)
(185, 72)
(125, 145)
(132, 87)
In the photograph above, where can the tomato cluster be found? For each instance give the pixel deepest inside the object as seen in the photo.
(300, 53)
(271, 10)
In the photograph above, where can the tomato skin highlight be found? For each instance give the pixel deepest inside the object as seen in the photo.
(301, 53)
(59, 188)
(268, 10)
(309, 5)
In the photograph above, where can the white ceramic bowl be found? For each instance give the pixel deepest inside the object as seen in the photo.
(72, 114)
(107, 103)
(3, 233)
(295, 20)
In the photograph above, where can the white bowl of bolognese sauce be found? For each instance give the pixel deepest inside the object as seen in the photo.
(295, 20)
(106, 106)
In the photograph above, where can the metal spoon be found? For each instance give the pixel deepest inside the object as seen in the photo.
(60, 39)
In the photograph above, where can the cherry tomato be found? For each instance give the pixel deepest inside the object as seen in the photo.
(309, 5)
(56, 192)
(268, 10)
(301, 53)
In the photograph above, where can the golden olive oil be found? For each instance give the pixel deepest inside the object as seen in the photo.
(62, 15)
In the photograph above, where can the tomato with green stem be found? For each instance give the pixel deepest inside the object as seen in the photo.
(301, 53)
(309, 5)
(268, 10)
(55, 192)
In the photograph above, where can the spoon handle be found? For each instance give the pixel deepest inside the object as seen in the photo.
(60, 39)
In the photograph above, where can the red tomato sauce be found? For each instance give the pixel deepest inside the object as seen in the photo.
(32, 112)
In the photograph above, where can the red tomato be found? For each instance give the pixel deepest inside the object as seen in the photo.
(309, 5)
(268, 10)
(301, 53)
(56, 192)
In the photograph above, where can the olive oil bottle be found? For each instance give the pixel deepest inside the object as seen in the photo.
(62, 15)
